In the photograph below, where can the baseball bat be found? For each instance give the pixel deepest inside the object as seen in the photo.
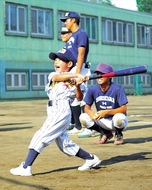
(122, 72)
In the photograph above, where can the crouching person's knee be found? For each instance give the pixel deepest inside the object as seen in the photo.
(85, 120)
(120, 121)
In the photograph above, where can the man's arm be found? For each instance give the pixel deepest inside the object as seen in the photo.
(101, 114)
(121, 109)
(63, 77)
(80, 59)
(79, 78)
(79, 93)
(89, 111)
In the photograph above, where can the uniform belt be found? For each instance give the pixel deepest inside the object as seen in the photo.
(57, 102)
(50, 103)
(87, 65)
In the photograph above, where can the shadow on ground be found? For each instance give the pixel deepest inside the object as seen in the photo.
(111, 161)
(21, 183)
(15, 128)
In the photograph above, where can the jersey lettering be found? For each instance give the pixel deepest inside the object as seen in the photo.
(104, 103)
(105, 107)
(105, 98)
(71, 40)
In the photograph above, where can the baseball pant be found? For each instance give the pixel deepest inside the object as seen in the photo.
(54, 128)
(119, 121)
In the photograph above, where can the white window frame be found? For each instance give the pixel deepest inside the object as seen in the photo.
(89, 28)
(60, 24)
(18, 80)
(108, 31)
(144, 33)
(17, 19)
(44, 21)
(127, 81)
(117, 32)
(146, 79)
(141, 29)
(127, 33)
(38, 84)
(149, 36)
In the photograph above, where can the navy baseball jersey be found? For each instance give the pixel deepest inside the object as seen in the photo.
(78, 39)
(113, 98)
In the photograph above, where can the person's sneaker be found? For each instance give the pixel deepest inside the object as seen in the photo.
(74, 131)
(118, 140)
(103, 138)
(86, 133)
(22, 171)
(71, 126)
(89, 164)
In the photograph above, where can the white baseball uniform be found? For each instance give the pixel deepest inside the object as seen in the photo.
(61, 95)
(84, 71)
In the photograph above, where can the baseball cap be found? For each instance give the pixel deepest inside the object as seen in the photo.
(104, 68)
(70, 15)
(64, 30)
(63, 54)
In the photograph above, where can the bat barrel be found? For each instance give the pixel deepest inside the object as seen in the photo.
(122, 72)
(131, 71)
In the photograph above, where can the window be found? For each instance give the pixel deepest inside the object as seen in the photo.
(16, 20)
(117, 32)
(16, 80)
(60, 24)
(127, 81)
(41, 22)
(128, 37)
(146, 80)
(108, 31)
(130, 81)
(39, 80)
(90, 25)
(144, 34)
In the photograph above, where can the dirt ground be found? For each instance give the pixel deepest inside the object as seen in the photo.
(125, 167)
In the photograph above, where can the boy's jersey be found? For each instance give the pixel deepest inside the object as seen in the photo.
(64, 91)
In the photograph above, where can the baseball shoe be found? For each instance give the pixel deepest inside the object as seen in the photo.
(71, 126)
(89, 164)
(118, 140)
(103, 138)
(86, 133)
(22, 171)
(74, 131)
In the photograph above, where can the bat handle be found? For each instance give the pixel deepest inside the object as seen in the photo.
(72, 80)
(91, 77)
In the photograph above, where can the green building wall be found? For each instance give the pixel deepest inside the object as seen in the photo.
(26, 52)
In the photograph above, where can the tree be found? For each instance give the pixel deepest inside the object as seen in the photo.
(144, 5)
(105, 2)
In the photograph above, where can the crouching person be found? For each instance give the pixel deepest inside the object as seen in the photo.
(110, 101)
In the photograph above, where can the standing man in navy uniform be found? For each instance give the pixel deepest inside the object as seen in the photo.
(78, 43)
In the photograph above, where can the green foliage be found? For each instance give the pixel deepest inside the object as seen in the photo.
(107, 2)
(144, 5)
